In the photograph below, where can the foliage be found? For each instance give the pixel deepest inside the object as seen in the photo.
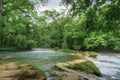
(16, 26)
(93, 26)
(95, 41)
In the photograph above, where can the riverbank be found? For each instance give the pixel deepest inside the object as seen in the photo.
(57, 49)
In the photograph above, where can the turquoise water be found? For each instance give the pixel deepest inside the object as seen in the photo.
(42, 59)
(45, 60)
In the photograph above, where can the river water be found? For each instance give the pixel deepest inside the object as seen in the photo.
(45, 60)
(109, 65)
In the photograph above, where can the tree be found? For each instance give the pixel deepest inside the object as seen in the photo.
(99, 19)
(0, 7)
(78, 7)
(15, 24)
(95, 24)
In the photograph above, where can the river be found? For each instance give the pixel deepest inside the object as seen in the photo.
(109, 65)
(46, 59)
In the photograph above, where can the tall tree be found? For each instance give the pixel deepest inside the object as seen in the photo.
(15, 24)
(0, 7)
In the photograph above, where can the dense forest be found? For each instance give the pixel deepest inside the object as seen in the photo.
(87, 25)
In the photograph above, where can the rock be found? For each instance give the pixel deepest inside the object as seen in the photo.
(92, 54)
(87, 67)
(10, 71)
(82, 68)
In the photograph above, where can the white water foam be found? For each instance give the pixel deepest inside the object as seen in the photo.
(108, 65)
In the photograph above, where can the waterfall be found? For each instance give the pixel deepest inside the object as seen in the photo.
(108, 65)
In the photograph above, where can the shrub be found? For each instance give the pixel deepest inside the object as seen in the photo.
(95, 41)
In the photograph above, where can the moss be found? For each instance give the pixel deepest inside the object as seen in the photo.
(31, 67)
(78, 56)
(1, 62)
(31, 72)
(24, 75)
(82, 79)
(92, 54)
(65, 58)
(39, 71)
(87, 67)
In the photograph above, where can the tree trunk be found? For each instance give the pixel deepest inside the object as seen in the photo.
(0, 7)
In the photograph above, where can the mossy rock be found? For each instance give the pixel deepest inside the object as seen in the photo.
(25, 74)
(92, 54)
(78, 56)
(28, 71)
(87, 67)
(37, 69)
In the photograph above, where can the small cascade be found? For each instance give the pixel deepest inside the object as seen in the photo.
(108, 65)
